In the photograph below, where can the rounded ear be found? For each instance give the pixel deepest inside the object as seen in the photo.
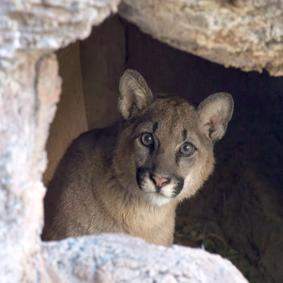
(135, 95)
(215, 112)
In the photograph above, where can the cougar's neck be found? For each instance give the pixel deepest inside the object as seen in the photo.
(130, 208)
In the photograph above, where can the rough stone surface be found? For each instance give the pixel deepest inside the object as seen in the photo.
(29, 90)
(27, 105)
(244, 34)
(49, 24)
(117, 258)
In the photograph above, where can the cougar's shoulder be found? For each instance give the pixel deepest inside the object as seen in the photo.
(69, 196)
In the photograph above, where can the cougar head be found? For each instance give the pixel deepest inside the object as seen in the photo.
(165, 148)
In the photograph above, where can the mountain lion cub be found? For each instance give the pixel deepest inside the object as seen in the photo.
(130, 177)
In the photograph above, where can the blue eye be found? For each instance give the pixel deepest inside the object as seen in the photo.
(187, 149)
(147, 139)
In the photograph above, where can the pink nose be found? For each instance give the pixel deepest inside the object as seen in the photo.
(158, 180)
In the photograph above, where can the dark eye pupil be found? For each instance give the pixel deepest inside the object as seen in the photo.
(187, 148)
(147, 139)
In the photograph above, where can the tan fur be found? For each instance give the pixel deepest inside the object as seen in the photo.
(95, 187)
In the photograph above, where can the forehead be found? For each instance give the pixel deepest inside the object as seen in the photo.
(172, 113)
(172, 117)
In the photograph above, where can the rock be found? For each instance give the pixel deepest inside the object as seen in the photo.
(29, 91)
(243, 34)
(117, 258)
(28, 94)
(50, 24)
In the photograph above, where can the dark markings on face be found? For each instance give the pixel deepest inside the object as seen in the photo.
(178, 154)
(140, 174)
(151, 150)
(143, 171)
(179, 186)
(184, 138)
(155, 127)
(184, 135)
(154, 147)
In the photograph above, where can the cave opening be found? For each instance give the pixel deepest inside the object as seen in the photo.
(238, 212)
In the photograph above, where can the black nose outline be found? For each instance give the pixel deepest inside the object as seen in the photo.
(142, 171)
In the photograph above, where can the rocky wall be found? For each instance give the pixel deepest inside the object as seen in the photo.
(244, 34)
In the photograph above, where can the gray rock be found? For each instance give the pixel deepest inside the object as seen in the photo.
(29, 91)
(49, 24)
(117, 258)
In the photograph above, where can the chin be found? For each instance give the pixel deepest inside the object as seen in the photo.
(156, 199)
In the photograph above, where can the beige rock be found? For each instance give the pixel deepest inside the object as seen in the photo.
(29, 91)
(49, 24)
(243, 34)
(27, 106)
(116, 258)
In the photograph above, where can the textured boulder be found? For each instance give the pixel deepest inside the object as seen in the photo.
(27, 102)
(29, 90)
(117, 258)
(51, 24)
(243, 34)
